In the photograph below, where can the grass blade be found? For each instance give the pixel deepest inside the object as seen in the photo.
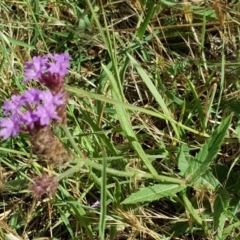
(154, 92)
(127, 127)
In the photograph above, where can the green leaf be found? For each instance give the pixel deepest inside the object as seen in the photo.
(220, 208)
(230, 229)
(180, 227)
(182, 161)
(82, 217)
(238, 130)
(13, 41)
(83, 93)
(169, 3)
(208, 152)
(234, 106)
(192, 210)
(144, 25)
(226, 178)
(175, 99)
(64, 217)
(102, 222)
(117, 192)
(220, 227)
(155, 192)
(124, 119)
(198, 104)
(208, 181)
(15, 185)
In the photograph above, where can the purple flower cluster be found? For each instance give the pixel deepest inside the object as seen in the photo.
(33, 111)
(36, 108)
(49, 64)
(32, 108)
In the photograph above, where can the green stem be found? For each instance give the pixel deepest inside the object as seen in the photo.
(102, 222)
(135, 174)
(80, 164)
(83, 93)
(193, 212)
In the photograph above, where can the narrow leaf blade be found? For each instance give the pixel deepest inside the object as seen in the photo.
(154, 192)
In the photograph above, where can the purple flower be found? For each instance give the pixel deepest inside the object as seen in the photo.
(34, 69)
(12, 105)
(48, 98)
(29, 118)
(41, 67)
(32, 108)
(10, 127)
(62, 58)
(60, 64)
(45, 114)
(31, 96)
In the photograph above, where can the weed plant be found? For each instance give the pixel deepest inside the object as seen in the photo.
(141, 135)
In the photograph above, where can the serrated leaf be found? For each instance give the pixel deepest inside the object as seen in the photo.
(155, 192)
(208, 181)
(220, 227)
(230, 229)
(179, 228)
(208, 152)
(221, 205)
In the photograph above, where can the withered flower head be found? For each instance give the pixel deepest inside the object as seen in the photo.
(44, 184)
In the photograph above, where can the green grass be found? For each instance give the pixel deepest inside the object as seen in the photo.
(153, 119)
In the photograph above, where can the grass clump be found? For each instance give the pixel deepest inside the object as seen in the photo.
(145, 142)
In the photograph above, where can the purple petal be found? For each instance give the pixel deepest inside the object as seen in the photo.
(58, 99)
(96, 204)
(32, 96)
(46, 97)
(12, 105)
(49, 99)
(10, 127)
(29, 118)
(35, 68)
(45, 114)
(60, 64)
(62, 59)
